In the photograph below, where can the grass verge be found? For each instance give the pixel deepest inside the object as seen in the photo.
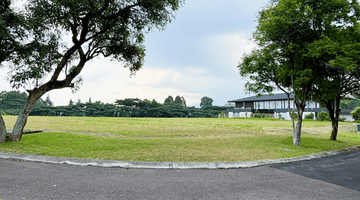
(175, 140)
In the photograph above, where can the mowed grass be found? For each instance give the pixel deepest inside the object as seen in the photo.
(175, 139)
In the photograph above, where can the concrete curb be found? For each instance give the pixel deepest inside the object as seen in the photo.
(166, 165)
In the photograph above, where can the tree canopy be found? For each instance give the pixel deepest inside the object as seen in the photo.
(66, 34)
(301, 49)
(206, 101)
(11, 31)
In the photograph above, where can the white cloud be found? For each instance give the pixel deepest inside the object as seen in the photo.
(227, 49)
(107, 81)
(192, 58)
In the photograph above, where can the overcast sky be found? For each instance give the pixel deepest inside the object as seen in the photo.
(197, 55)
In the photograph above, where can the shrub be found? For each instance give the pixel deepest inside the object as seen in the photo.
(309, 116)
(294, 114)
(342, 119)
(256, 115)
(323, 116)
(356, 113)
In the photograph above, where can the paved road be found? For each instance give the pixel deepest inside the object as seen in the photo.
(335, 177)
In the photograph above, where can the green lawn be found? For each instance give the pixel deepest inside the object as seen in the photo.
(175, 139)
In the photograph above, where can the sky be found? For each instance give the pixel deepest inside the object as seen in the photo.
(195, 56)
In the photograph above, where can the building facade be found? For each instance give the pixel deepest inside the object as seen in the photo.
(276, 105)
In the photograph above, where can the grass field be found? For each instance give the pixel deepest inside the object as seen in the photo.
(175, 139)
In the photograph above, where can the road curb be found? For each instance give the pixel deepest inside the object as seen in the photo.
(166, 165)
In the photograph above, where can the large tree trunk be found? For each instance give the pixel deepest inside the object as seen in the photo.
(300, 106)
(297, 131)
(334, 113)
(335, 128)
(17, 132)
(2, 129)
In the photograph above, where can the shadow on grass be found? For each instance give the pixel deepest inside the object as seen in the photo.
(316, 143)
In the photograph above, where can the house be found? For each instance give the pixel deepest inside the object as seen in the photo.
(277, 106)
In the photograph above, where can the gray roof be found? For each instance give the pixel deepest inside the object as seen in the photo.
(281, 96)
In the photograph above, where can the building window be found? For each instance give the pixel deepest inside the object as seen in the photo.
(291, 104)
(278, 105)
(272, 104)
(311, 104)
(266, 104)
(261, 105)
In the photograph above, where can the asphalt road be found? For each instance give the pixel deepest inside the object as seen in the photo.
(335, 177)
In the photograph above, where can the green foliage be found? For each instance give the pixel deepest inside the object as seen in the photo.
(350, 103)
(12, 31)
(294, 114)
(180, 100)
(169, 99)
(323, 116)
(342, 119)
(13, 101)
(356, 113)
(97, 28)
(308, 47)
(206, 101)
(260, 115)
(310, 116)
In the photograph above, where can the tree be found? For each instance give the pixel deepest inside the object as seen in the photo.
(129, 107)
(312, 43)
(71, 102)
(206, 102)
(286, 30)
(336, 63)
(48, 102)
(169, 99)
(356, 113)
(12, 101)
(350, 103)
(180, 100)
(96, 28)
(10, 32)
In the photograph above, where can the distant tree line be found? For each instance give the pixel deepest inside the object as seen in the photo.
(11, 103)
(350, 103)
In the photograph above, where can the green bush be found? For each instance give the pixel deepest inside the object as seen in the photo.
(342, 119)
(356, 113)
(256, 115)
(309, 116)
(294, 114)
(323, 116)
